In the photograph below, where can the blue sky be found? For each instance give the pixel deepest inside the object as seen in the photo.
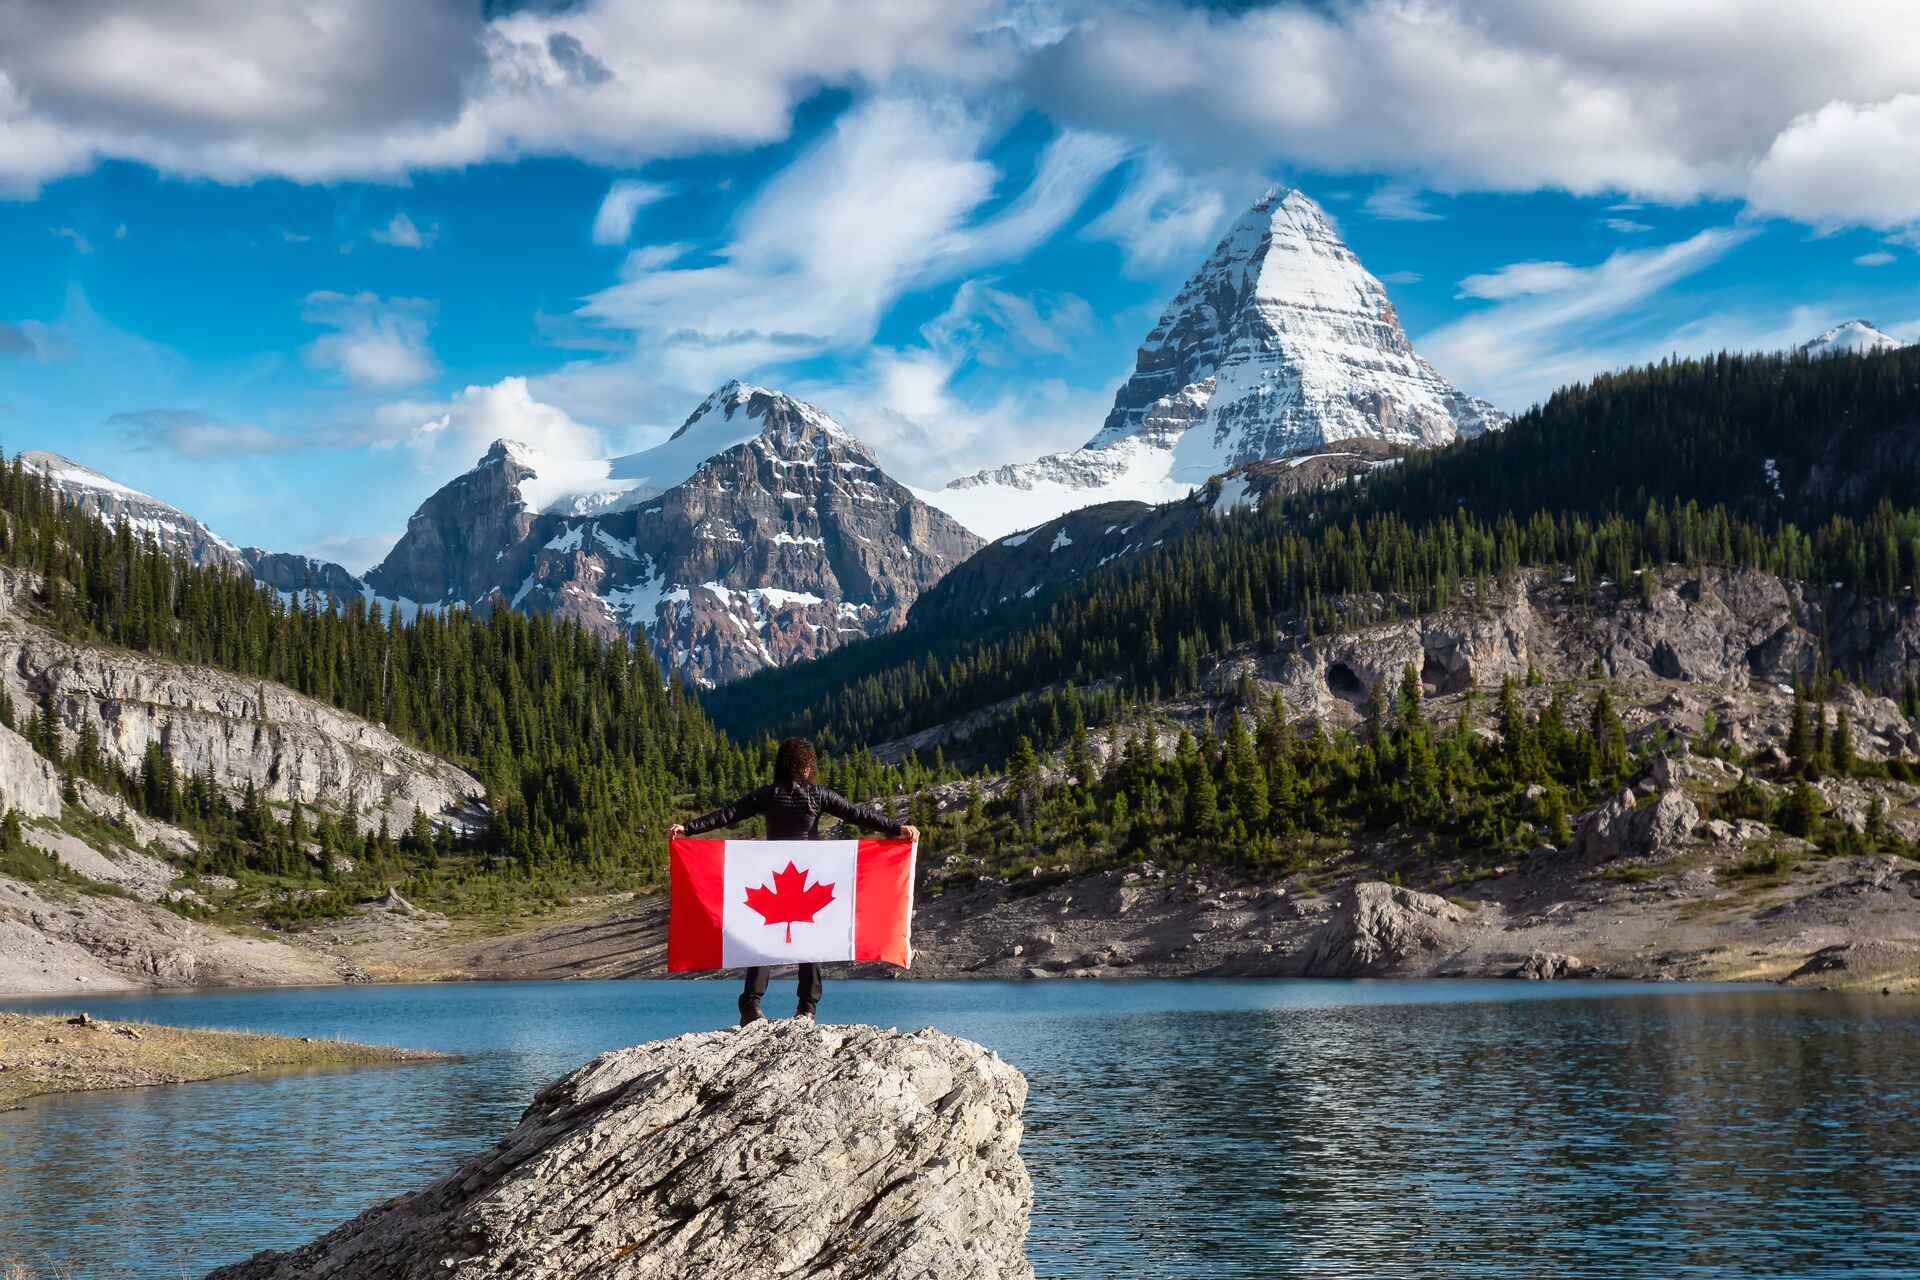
(292, 266)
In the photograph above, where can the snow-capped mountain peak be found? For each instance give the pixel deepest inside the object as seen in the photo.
(1281, 342)
(1853, 338)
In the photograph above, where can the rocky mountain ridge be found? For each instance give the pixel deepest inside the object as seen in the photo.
(762, 533)
(1281, 341)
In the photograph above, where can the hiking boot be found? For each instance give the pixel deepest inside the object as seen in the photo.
(750, 1010)
(805, 1010)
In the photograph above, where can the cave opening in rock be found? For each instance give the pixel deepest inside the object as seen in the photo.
(1344, 684)
(1437, 678)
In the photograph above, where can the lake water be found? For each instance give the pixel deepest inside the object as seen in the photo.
(1175, 1129)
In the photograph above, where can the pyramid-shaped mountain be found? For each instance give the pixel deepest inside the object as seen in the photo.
(1281, 342)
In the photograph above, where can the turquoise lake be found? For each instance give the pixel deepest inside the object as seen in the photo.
(1174, 1129)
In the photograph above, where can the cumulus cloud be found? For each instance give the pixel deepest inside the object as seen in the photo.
(1845, 163)
(368, 89)
(193, 434)
(377, 343)
(1641, 97)
(401, 233)
(613, 224)
(1556, 323)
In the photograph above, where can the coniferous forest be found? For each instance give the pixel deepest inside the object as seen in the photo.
(1778, 463)
(587, 752)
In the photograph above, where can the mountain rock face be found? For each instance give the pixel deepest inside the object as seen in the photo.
(762, 533)
(1854, 338)
(175, 532)
(1025, 564)
(786, 1148)
(1281, 342)
(245, 731)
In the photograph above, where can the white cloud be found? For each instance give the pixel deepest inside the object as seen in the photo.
(378, 343)
(80, 243)
(401, 233)
(1520, 279)
(192, 434)
(368, 89)
(1400, 204)
(1402, 277)
(447, 437)
(1625, 226)
(1878, 258)
(1164, 216)
(1846, 163)
(885, 202)
(1556, 323)
(1641, 97)
(625, 198)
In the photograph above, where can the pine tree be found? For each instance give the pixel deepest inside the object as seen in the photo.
(1842, 746)
(1801, 814)
(1799, 735)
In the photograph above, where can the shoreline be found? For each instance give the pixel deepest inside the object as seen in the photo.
(52, 1054)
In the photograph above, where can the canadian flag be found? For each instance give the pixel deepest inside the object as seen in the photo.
(735, 903)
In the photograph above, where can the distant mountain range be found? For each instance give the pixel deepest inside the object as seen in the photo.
(762, 532)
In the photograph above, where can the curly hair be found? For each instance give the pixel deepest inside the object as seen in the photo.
(793, 762)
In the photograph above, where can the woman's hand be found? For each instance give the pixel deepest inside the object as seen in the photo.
(911, 832)
(675, 831)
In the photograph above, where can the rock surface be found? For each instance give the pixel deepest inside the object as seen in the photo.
(786, 1149)
(287, 745)
(1381, 928)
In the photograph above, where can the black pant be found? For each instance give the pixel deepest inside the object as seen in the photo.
(809, 989)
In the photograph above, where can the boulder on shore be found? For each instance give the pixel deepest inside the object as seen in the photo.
(1379, 928)
(783, 1149)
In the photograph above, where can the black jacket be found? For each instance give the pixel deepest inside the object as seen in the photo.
(793, 812)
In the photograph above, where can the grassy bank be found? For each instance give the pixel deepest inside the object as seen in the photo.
(58, 1053)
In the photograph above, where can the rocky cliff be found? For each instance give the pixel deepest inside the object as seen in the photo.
(1281, 341)
(288, 746)
(784, 1149)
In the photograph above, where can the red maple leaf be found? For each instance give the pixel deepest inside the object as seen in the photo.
(791, 900)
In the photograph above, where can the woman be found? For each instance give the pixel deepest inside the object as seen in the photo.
(792, 807)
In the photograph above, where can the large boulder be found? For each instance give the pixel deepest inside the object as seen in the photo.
(785, 1149)
(1379, 928)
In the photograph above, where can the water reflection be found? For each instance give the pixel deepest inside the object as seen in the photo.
(1174, 1130)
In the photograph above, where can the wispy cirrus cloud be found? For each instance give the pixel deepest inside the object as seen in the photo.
(1555, 323)
(613, 224)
